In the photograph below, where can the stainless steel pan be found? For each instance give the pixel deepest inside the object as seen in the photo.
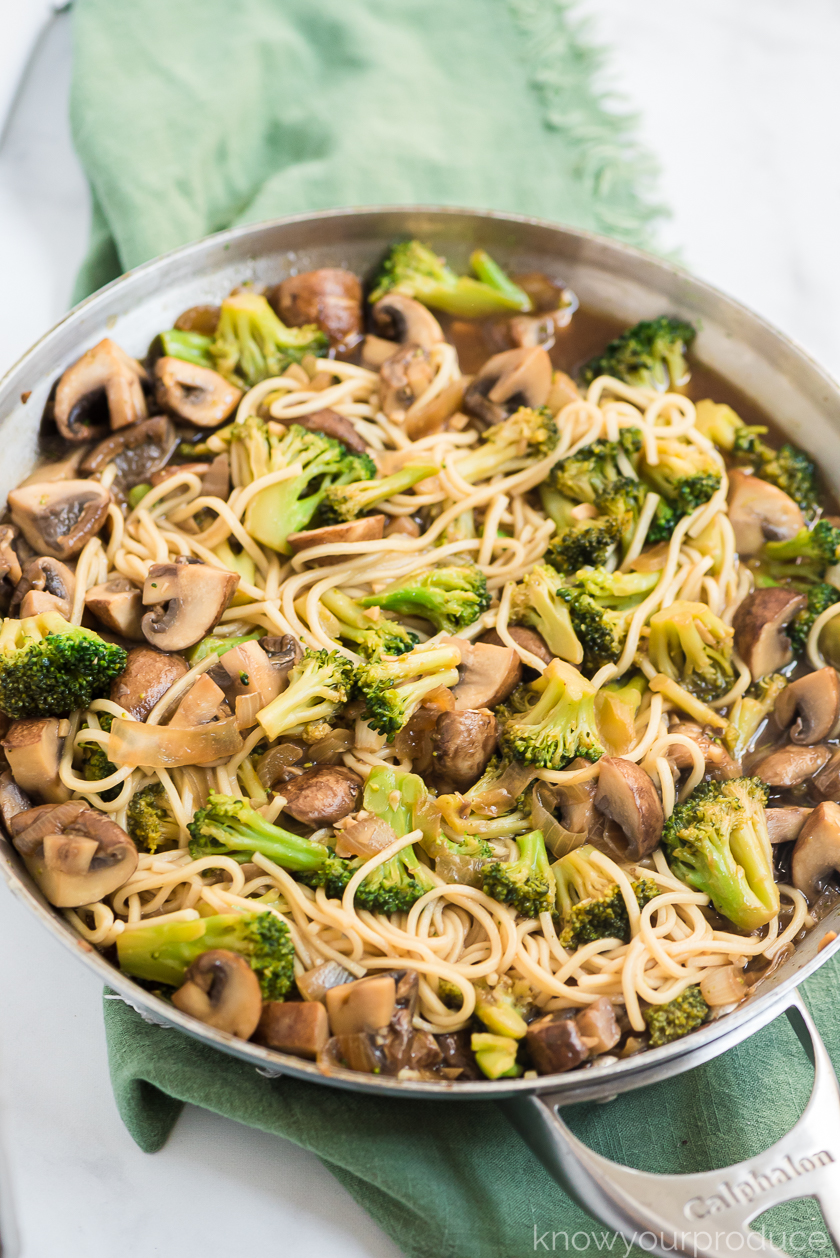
(676, 1210)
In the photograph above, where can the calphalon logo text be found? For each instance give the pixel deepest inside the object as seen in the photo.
(756, 1183)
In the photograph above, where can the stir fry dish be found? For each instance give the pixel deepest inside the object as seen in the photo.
(391, 678)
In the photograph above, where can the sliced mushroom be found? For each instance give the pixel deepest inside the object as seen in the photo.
(203, 319)
(403, 379)
(250, 672)
(188, 600)
(330, 297)
(58, 517)
(517, 377)
(759, 625)
(527, 638)
(539, 329)
(462, 744)
(826, 783)
(790, 766)
(46, 585)
(13, 800)
(77, 855)
(146, 678)
(555, 1044)
(333, 425)
(196, 394)
(375, 351)
(104, 370)
(366, 1005)
(314, 984)
(626, 794)
(137, 452)
(759, 512)
(368, 529)
(427, 417)
(64, 469)
(399, 318)
(118, 605)
(33, 749)
(816, 854)
(719, 763)
(215, 476)
(598, 1026)
(322, 796)
(811, 706)
(221, 990)
(10, 569)
(283, 652)
(298, 1027)
(487, 674)
(784, 824)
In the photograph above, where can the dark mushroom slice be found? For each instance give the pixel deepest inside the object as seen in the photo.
(58, 517)
(221, 990)
(322, 796)
(514, 378)
(106, 369)
(77, 855)
(369, 528)
(810, 706)
(759, 625)
(598, 1026)
(457, 1058)
(555, 1044)
(785, 823)
(487, 674)
(396, 317)
(299, 1027)
(462, 744)
(626, 794)
(366, 1005)
(138, 452)
(13, 800)
(46, 585)
(816, 854)
(759, 513)
(527, 638)
(145, 679)
(719, 763)
(196, 394)
(408, 1049)
(283, 652)
(432, 415)
(118, 605)
(330, 297)
(403, 379)
(188, 599)
(826, 783)
(333, 425)
(33, 749)
(790, 766)
(10, 569)
(203, 319)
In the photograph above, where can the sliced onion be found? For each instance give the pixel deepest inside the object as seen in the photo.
(272, 766)
(724, 985)
(330, 748)
(506, 791)
(161, 747)
(247, 707)
(454, 867)
(364, 838)
(558, 839)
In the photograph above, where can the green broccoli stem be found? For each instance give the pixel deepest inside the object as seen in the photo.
(254, 834)
(489, 272)
(191, 347)
(342, 503)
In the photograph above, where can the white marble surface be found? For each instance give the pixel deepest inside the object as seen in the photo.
(739, 101)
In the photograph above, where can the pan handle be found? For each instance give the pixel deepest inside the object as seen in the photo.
(706, 1214)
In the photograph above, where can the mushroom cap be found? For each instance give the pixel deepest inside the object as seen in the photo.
(323, 795)
(514, 378)
(403, 379)
(197, 394)
(816, 853)
(527, 638)
(333, 425)
(369, 528)
(33, 749)
(330, 297)
(188, 599)
(366, 1005)
(76, 855)
(146, 678)
(811, 704)
(221, 990)
(785, 823)
(58, 517)
(118, 605)
(106, 368)
(138, 452)
(790, 766)
(759, 512)
(300, 1027)
(462, 744)
(487, 674)
(46, 585)
(399, 318)
(626, 794)
(759, 625)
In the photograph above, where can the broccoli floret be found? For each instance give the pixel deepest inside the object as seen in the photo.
(318, 686)
(788, 468)
(692, 646)
(650, 355)
(535, 602)
(819, 598)
(587, 543)
(524, 883)
(251, 344)
(814, 550)
(415, 270)
(150, 823)
(232, 827)
(600, 604)
(451, 598)
(95, 764)
(289, 506)
(371, 634)
(527, 434)
(393, 688)
(589, 903)
(51, 668)
(717, 842)
(592, 470)
(561, 724)
(685, 475)
(749, 711)
(681, 1015)
(164, 953)
(192, 347)
(343, 502)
